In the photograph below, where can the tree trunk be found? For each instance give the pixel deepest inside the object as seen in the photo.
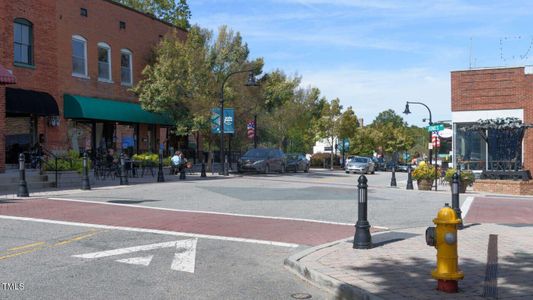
(331, 158)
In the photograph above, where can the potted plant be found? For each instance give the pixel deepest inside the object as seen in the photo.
(424, 175)
(467, 178)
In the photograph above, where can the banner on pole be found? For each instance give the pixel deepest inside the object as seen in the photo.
(228, 120)
(250, 128)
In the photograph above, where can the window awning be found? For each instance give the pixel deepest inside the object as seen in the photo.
(80, 107)
(6, 77)
(19, 101)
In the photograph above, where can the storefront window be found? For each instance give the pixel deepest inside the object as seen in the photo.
(471, 149)
(79, 134)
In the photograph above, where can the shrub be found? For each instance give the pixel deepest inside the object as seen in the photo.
(317, 160)
(467, 176)
(425, 172)
(71, 161)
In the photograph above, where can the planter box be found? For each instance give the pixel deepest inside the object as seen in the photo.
(511, 187)
(424, 184)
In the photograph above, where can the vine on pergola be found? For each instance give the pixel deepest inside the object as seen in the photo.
(507, 144)
(508, 123)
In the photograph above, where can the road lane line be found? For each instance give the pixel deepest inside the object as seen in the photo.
(77, 238)
(185, 260)
(156, 231)
(140, 261)
(204, 212)
(466, 206)
(21, 253)
(127, 250)
(26, 246)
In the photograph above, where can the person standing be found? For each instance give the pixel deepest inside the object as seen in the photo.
(176, 162)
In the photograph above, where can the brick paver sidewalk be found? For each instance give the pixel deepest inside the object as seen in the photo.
(399, 265)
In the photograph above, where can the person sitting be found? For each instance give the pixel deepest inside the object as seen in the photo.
(175, 162)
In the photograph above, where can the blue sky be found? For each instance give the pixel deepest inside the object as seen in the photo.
(375, 55)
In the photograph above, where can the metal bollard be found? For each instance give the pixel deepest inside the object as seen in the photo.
(455, 198)
(85, 184)
(393, 178)
(409, 178)
(160, 176)
(203, 170)
(362, 238)
(123, 175)
(182, 174)
(226, 166)
(23, 185)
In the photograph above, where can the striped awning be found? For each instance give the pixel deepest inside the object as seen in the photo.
(6, 77)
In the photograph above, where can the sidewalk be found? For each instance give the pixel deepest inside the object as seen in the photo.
(399, 265)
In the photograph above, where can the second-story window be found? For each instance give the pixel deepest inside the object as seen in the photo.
(79, 56)
(104, 62)
(126, 76)
(23, 41)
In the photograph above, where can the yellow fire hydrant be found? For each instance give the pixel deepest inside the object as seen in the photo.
(444, 238)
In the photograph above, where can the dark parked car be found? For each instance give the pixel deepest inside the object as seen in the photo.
(297, 162)
(263, 160)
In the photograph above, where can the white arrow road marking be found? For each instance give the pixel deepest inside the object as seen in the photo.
(143, 260)
(184, 259)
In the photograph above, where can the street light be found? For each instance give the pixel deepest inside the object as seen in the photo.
(250, 82)
(407, 111)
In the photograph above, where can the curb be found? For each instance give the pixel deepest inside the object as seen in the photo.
(340, 290)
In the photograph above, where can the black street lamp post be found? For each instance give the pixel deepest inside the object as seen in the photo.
(407, 111)
(250, 82)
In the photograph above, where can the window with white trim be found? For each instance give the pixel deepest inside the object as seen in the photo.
(126, 70)
(79, 56)
(104, 62)
(23, 41)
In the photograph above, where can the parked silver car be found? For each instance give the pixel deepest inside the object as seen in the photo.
(360, 164)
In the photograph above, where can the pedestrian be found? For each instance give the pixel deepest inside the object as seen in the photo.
(175, 162)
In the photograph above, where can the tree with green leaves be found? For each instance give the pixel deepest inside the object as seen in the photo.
(180, 82)
(176, 12)
(388, 117)
(327, 126)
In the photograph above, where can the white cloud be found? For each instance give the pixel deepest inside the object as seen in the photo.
(371, 91)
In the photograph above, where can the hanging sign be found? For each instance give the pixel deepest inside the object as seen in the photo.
(228, 120)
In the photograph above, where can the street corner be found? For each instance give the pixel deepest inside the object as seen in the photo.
(495, 260)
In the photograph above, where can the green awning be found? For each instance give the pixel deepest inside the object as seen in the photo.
(79, 107)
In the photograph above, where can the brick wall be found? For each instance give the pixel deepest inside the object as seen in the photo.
(494, 89)
(54, 24)
(508, 187)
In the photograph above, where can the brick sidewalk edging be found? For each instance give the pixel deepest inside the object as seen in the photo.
(341, 290)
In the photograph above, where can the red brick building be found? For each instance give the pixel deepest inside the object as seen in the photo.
(488, 94)
(75, 61)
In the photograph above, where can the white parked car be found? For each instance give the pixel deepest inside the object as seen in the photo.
(360, 164)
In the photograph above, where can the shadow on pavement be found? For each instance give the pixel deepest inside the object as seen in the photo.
(411, 278)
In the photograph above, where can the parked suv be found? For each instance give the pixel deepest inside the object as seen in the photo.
(264, 160)
(297, 162)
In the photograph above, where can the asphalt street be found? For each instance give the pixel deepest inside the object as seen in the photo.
(319, 195)
(193, 256)
(42, 259)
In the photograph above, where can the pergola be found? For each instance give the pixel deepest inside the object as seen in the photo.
(505, 154)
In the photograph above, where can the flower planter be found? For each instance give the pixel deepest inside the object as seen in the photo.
(424, 184)
(462, 187)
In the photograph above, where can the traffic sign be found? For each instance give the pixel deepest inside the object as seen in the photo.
(435, 127)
